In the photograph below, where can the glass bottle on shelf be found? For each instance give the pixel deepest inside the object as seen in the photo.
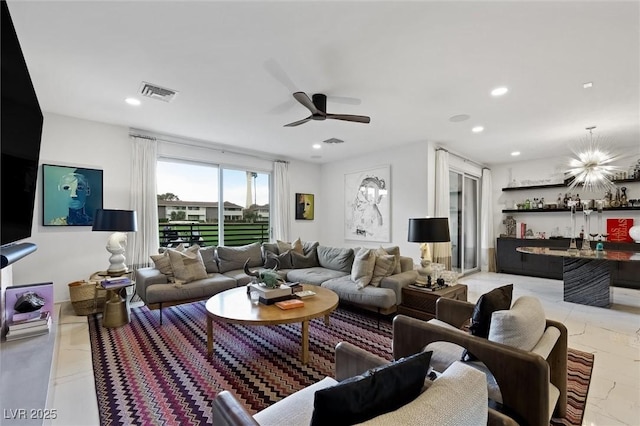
(623, 197)
(541, 203)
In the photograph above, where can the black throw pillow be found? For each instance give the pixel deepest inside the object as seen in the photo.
(497, 299)
(378, 391)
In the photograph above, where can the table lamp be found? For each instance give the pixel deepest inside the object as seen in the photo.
(427, 230)
(120, 221)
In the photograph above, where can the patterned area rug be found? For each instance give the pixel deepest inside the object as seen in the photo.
(151, 374)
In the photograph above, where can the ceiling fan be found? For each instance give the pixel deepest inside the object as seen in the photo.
(318, 108)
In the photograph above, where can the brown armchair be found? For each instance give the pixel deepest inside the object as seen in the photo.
(532, 385)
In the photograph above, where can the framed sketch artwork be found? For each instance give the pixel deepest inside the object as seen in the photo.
(367, 205)
(70, 194)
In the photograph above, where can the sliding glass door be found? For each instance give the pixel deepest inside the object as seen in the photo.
(464, 193)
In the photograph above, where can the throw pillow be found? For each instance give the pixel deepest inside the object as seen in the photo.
(162, 263)
(395, 250)
(371, 394)
(300, 261)
(363, 265)
(284, 260)
(496, 300)
(233, 258)
(384, 266)
(209, 258)
(309, 246)
(187, 266)
(336, 258)
(522, 326)
(295, 246)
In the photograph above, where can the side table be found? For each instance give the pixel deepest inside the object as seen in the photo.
(116, 308)
(421, 304)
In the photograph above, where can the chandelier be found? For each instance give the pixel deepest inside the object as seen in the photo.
(591, 167)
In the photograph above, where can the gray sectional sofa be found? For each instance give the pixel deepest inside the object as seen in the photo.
(207, 271)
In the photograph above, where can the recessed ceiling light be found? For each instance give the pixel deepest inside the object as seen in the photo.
(499, 91)
(316, 146)
(515, 153)
(132, 101)
(460, 117)
(587, 85)
(477, 129)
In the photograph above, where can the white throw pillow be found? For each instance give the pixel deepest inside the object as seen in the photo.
(362, 269)
(384, 266)
(188, 265)
(522, 326)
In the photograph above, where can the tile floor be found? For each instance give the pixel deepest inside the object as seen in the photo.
(613, 335)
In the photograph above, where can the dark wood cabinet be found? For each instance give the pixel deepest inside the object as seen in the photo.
(509, 261)
(421, 304)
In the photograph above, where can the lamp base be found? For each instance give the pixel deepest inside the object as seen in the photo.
(116, 245)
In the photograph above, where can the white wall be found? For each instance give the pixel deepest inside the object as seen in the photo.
(66, 254)
(410, 193)
(69, 253)
(551, 168)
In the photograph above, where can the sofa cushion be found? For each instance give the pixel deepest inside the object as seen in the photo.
(284, 260)
(231, 258)
(521, 326)
(379, 390)
(308, 260)
(395, 251)
(187, 265)
(199, 289)
(338, 259)
(316, 275)
(209, 258)
(309, 246)
(377, 297)
(270, 247)
(297, 407)
(362, 269)
(457, 397)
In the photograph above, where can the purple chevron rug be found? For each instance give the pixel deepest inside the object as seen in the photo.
(147, 373)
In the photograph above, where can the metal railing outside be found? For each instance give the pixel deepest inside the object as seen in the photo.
(207, 234)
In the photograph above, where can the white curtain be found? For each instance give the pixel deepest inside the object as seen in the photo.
(282, 205)
(442, 251)
(145, 242)
(487, 247)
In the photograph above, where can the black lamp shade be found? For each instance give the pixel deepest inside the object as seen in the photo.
(429, 230)
(115, 220)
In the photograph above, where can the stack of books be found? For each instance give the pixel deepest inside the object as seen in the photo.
(29, 324)
(115, 282)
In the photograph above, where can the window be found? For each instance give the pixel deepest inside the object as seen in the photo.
(464, 216)
(190, 196)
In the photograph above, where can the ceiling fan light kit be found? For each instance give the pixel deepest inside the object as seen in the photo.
(317, 105)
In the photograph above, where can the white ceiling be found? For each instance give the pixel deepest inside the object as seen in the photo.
(412, 65)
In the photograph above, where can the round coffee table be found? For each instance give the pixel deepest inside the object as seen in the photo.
(234, 306)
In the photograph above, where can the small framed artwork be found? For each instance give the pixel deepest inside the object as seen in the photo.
(304, 206)
(70, 195)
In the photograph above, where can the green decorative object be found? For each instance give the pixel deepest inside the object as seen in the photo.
(269, 277)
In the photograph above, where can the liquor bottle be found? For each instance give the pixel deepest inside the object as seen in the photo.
(623, 197)
(582, 232)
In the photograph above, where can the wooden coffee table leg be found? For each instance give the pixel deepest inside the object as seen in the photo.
(326, 319)
(209, 336)
(305, 342)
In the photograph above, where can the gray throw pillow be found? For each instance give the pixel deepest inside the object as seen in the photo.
(232, 258)
(395, 250)
(378, 391)
(335, 258)
(300, 261)
(284, 260)
(209, 258)
(362, 270)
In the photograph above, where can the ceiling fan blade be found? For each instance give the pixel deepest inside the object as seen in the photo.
(299, 122)
(348, 117)
(304, 100)
(279, 74)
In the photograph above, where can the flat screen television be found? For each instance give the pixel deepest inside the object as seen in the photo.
(21, 131)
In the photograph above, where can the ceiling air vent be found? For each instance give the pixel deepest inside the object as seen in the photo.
(154, 91)
(334, 140)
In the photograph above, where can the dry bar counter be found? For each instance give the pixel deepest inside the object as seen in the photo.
(586, 273)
